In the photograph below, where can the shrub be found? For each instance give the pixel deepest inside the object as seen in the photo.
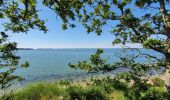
(96, 93)
(64, 82)
(117, 95)
(111, 84)
(155, 93)
(90, 93)
(158, 82)
(76, 93)
(106, 89)
(107, 86)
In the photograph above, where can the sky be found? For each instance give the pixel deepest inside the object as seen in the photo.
(58, 38)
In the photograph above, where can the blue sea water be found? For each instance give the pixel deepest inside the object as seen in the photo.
(52, 64)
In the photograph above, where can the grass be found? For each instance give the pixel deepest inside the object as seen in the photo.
(38, 91)
(117, 95)
(58, 91)
(97, 90)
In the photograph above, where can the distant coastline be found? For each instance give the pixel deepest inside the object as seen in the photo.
(69, 48)
(25, 49)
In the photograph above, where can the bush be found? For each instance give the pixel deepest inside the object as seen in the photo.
(155, 93)
(117, 95)
(64, 82)
(111, 84)
(107, 86)
(91, 93)
(76, 93)
(106, 89)
(96, 93)
(158, 82)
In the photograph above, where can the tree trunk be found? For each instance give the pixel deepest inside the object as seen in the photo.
(165, 16)
(167, 75)
(167, 80)
(166, 21)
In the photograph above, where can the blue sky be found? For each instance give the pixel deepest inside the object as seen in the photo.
(58, 38)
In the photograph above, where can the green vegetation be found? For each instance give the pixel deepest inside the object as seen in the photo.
(131, 21)
(8, 61)
(17, 16)
(56, 91)
(97, 89)
(136, 77)
(158, 82)
(127, 26)
(38, 91)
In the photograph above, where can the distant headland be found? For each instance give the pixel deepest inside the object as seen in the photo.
(25, 49)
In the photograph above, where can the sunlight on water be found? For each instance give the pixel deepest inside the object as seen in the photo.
(53, 64)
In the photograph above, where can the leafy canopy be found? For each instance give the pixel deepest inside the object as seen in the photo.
(16, 16)
(130, 21)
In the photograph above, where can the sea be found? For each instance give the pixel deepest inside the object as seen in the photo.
(52, 64)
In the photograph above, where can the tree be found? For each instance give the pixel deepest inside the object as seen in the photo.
(121, 15)
(131, 21)
(17, 16)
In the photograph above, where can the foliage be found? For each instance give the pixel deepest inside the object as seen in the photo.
(96, 63)
(131, 92)
(128, 27)
(126, 24)
(52, 91)
(8, 61)
(16, 16)
(22, 15)
(91, 93)
(132, 82)
(64, 82)
(99, 89)
(76, 92)
(38, 92)
(110, 84)
(96, 93)
(155, 93)
(158, 82)
(122, 19)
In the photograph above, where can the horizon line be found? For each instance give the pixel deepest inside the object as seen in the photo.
(79, 48)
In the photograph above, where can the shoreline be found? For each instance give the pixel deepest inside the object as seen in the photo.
(77, 80)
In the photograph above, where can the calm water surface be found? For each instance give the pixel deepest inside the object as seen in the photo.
(53, 64)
